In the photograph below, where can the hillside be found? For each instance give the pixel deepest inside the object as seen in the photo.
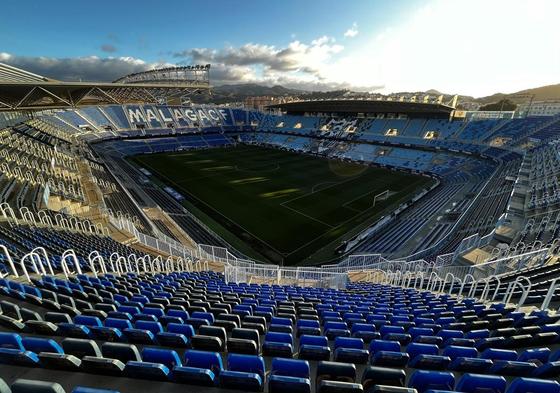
(550, 92)
(238, 92)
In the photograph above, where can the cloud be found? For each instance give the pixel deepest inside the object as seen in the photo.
(296, 56)
(297, 64)
(91, 68)
(512, 46)
(352, 32)
(109, 48)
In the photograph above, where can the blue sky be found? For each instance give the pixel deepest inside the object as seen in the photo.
(148, 30)
(470, 47)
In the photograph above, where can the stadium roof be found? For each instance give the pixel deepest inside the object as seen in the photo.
(13, 74)
(355, 106)
(22, 90)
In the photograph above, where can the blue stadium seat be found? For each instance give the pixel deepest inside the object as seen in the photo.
(278, 344)
(177, 335)
(420, 331)
(478, 383)
(426, 356)
(513, 368)
(144, 332)
(386, 353)
(548, 370)
(146, 370)
(365, 331)
(314, 348)
(244, 372)
(540, 355)
(308, 327)
(350, 350)
(422, 380)
(447, 334)
(82, 389)
(336, 329)
(199, 367)
(87, 320)
(532, 385)
(289, 375)
(11, 340)
(454, 352)
(36, 344)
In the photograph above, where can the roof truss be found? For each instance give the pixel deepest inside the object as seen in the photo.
(45, 95)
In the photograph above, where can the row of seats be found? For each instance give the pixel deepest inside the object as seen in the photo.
(383, 326)
(243, 372)
(33, 386)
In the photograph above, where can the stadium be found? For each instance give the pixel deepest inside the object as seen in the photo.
(150, 243)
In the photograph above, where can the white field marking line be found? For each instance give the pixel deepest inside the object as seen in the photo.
(323, 234)
(305, 215)
(223, 215)
(319, 184)
(214, 174)
(334, 240)
(178, 184)
(389, 195)
(314, 192)
(276, 167)
(284, 204)
(256, 237)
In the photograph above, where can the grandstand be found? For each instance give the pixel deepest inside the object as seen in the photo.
(132, 254)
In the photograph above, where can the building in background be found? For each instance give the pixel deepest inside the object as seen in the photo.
(539, 108)
(260, 102)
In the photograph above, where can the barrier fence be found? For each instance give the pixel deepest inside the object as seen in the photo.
(276, 275)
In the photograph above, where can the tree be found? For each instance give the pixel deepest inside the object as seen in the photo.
(502, 105)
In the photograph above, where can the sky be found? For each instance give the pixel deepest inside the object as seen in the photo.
(470, 47)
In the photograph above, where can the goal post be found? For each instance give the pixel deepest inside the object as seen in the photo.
(381, 197)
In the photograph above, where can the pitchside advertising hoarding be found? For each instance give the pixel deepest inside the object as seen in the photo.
(192, 115)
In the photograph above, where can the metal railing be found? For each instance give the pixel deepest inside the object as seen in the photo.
(486, 287)
(276, 275)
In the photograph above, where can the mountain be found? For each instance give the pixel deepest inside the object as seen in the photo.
(550, 92)
(238, 92)
(253, 89)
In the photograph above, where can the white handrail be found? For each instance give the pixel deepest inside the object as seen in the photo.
(112, 261)
(419, 275)
(10, 262)
(554, 286)
(33, 255)
(91, 262)
(70, 253)
(525, 291)
(472, 280)
(119, 265)
(132, 258)
(46, 256)
(452, 282)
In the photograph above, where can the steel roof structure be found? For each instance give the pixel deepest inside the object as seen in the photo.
(355, 106)
(22, 90)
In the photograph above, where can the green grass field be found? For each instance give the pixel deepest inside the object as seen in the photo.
(277, 205)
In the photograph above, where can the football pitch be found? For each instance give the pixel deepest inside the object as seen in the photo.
(281, 206)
